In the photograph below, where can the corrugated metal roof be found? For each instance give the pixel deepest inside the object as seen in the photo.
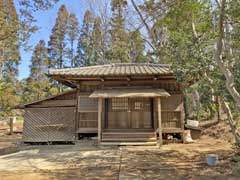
(124, 69)
(120, 93)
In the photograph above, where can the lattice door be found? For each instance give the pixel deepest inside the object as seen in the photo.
(128, 113)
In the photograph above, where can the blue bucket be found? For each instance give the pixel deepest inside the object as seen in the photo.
(212, 159)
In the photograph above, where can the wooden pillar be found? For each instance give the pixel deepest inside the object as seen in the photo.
(77, 112)
(100, 100)
(159, 120)
(11, 125)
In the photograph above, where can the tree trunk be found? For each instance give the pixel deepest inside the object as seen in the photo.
(232, 123)
(196, 102)
(185, 106)
(219, 109)
(225, 68)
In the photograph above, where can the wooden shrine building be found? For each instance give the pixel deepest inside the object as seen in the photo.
(121, 103)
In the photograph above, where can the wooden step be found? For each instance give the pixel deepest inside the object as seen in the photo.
(129, 139)
(128, 132)
(125, 134)
(128, 143)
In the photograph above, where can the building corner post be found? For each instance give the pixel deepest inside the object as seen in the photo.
(159, 110)
(100, 100)
(77, 112)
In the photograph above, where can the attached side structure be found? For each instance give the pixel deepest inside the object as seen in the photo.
(121, 103)
(51, 119)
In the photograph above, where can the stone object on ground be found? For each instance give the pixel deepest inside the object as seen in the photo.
(187, 137)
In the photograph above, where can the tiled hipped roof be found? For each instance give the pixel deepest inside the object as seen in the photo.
(124, 69)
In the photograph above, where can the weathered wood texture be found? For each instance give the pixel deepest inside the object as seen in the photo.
(159, 109)
(171, 87)
(129, 113)
(55, 103)
(131, 136)
(171, 112)
(64, 99)
(49, 124)
(100, 102)
(87, 114)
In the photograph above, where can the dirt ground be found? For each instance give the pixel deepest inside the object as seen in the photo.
(85, 161)
(88, 161)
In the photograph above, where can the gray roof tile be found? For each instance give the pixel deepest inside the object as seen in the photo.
(130, 69)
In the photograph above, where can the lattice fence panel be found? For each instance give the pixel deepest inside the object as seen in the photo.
(49, 124)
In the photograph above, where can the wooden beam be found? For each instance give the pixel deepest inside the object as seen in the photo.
(159, 120)
(98, 78)
(77, 112)
(131, 81)
(100, 100)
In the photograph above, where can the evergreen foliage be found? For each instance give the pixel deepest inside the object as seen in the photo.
(85, 43)
(57, 44)
(119, 52)
(72, 32)
(9, 55)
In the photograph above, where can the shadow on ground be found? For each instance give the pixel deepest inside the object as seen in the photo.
(175, 161)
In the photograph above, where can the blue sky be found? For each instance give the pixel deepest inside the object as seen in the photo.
(46, 20)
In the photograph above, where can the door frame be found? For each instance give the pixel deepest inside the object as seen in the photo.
(106, 110)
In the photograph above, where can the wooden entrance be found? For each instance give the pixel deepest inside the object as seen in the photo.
(129, 113)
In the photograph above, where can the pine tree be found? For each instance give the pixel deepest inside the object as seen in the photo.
(57, 43)
(9, 55)
(9, 48)
(39, 62)
(72, 32)
(119, 36)
(38, 85)
(85, 46)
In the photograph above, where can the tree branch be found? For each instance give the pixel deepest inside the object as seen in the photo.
(144, 22)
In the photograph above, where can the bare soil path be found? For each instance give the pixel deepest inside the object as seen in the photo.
(86, 161)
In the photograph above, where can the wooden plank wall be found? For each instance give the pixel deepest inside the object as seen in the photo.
(87, 114)
(172, 111)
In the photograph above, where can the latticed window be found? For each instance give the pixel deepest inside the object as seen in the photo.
(118, 104)
(140, 104)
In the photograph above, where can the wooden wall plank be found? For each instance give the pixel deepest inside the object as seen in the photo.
(71, 102)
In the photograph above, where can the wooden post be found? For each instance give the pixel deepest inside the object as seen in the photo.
(11, 125)
(77, 112)
(159, 120)
(99, 118)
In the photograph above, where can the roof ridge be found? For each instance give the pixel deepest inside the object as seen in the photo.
(82, 67)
